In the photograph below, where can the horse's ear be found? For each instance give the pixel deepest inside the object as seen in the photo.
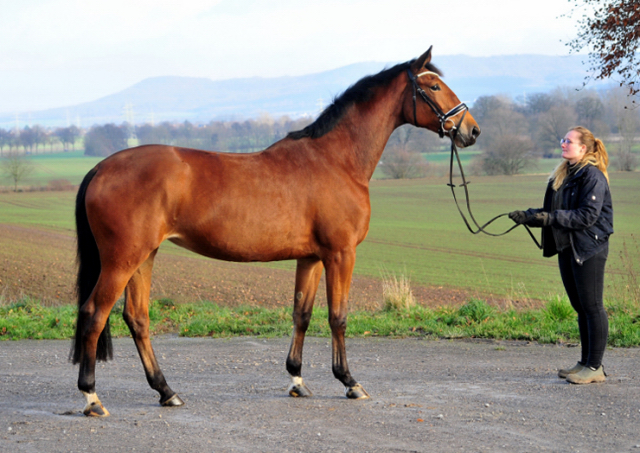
(424, 60)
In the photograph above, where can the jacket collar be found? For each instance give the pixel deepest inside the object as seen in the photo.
(576, 172)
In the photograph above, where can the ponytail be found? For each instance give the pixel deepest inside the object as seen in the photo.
(595, 155)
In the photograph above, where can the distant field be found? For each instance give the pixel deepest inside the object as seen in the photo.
(442, 158)
(48, 167)
(415, 229)
(73, 165)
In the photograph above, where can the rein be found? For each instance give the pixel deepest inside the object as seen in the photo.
(452, 132)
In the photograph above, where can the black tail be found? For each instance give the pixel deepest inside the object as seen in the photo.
(88, 259)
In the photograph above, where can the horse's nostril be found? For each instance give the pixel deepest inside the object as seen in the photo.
(475, 131)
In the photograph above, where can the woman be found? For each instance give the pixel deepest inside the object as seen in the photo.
(576, 222)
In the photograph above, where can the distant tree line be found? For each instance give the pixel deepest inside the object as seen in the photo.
(32, 139)
(226, 136)
(515, 133)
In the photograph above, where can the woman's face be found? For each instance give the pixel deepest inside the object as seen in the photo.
(572, 148)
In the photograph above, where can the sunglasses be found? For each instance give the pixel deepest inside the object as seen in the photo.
(565, 140)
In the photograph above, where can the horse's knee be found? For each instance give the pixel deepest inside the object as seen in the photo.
(338, 323)
(302, 320)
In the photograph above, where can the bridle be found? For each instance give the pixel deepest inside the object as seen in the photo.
(452, 132)
(442, 117)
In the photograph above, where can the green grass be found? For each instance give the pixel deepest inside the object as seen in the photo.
(50, 210)
(48, 167)
(556, 323)
(72, 166)
(444, 157)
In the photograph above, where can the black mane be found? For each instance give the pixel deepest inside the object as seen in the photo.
(360, 91)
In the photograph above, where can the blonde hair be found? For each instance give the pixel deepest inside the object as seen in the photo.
(595, 155)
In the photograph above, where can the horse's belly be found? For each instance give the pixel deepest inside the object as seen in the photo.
(258, 246)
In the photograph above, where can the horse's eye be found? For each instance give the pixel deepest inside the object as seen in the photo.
(436, 87)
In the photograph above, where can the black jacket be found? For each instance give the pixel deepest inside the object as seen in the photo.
(586, 214)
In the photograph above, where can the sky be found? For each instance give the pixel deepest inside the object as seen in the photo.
(56, 53)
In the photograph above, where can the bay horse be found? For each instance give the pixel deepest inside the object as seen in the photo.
(305, 198)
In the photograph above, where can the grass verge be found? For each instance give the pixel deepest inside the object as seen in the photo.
(555, 323)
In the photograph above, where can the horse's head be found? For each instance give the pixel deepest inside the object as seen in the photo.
(430, 103)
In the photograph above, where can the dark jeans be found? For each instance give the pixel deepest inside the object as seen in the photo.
(584, 285)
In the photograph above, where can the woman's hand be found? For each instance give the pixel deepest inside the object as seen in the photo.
(536, 220)
(539, 220)
(518, 217)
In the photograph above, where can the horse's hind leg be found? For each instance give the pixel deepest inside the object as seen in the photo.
(136, 315)
(339, 267)
(308, 275)
(92, 319)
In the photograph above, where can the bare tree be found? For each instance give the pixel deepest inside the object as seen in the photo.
(39, 136)
(483, 109)
(507, 146)
(609, 29)
(626, 124)
(27, 138)
(16, 167)
(590, 111)
(413, 139)
(5, 139)
(626, 161)
(398, 163)
(51, 140)
(68, 136)
(105, 140)
(554, 124)
(509, 155)
(538, 103)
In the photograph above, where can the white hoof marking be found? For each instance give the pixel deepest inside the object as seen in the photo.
(92, 398)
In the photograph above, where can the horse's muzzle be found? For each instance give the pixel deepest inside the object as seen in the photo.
(467, 138)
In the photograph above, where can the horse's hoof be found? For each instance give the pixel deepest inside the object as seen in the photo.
(357, 392)
(299, 391)
(298, 388)
(174, 401)
(95, 409)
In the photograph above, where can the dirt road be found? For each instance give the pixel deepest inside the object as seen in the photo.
(427, 396)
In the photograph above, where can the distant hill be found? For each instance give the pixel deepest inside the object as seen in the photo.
(202, 100)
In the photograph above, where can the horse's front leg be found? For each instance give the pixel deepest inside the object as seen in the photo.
(339, 271)
(308, 273)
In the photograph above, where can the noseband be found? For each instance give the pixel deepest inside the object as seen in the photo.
(452, 132)
(442, 117)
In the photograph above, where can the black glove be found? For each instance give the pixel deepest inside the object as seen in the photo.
(538, 220)
(518, 217)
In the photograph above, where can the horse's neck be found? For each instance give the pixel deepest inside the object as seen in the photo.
(367, 126)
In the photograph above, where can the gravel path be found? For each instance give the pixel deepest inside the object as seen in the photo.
(427, 396)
